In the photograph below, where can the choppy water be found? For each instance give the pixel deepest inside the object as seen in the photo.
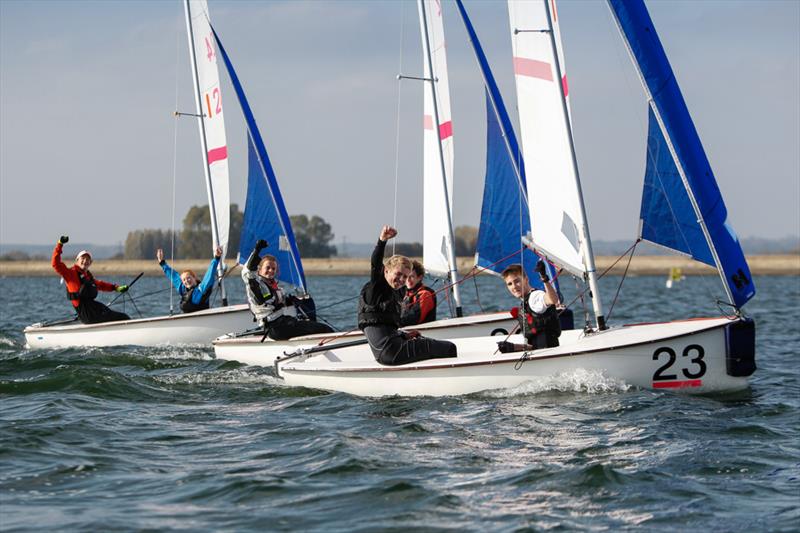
(172, 439)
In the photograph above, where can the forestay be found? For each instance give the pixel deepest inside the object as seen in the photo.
(265, 215)
(437, 218)
(552, 186)
(682, 207)
(208, 98)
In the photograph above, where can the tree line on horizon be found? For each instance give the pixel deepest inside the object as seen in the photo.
(313, 236)
(194, 240)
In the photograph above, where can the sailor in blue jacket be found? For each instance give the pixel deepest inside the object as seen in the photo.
(195, 294)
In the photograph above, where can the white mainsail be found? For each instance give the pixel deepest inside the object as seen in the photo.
(553, 195)
(208, 97)
(437, 219)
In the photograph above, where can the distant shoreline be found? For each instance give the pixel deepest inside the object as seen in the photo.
(760, 265)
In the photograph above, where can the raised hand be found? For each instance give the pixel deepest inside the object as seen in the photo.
(542, 270)
(261, 244)
(64, 239)
(159, 255)
(218, 252)
(387, 232)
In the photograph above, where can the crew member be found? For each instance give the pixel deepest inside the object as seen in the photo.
(82, 287)
(419, 302)
(379, 312)
(195, 294)
(538, 317)
(271, 308)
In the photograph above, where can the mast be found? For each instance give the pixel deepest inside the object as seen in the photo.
(450, 240)
(583, 226)
(215, 240)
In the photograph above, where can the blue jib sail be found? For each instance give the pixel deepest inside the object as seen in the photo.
(265, 214)
(663, 183)
(504, 213)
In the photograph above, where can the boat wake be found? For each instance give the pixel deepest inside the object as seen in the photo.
(580, 380)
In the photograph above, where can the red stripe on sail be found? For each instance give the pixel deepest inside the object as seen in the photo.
(533, 68)
(565, 85)
(427, 122)
(677, 384)
(217, 154)
(446, 130)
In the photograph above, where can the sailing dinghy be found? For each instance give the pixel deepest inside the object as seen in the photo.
(682, 210)
(438, 248)
(203, 326)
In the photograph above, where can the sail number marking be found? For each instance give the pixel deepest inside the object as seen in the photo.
(694, 351)
(217, 101)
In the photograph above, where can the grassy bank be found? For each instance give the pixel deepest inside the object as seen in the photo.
(784, 265)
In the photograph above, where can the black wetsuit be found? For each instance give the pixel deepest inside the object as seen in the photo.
(379, 319)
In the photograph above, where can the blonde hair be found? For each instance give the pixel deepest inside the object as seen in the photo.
(398, 261)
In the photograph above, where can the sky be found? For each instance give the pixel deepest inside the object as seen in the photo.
(89, 145)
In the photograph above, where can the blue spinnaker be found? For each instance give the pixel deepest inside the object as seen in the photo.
(504, 213)
(265, 215)
(677, 126)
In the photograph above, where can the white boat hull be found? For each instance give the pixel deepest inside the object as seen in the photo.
(200, 327)
(250, 350)
(695, 356)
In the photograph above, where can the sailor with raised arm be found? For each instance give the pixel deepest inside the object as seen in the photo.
(379, 312)
(268, 303)
(539, 317)
(82, 287)
(195, 294)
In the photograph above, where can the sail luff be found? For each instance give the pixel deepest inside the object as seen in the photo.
(215, 160)
(437, 98)
(677, 129)
(257, 144)
(583, 225)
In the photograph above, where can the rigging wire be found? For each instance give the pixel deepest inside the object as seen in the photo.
(174, 166)
(397, 121)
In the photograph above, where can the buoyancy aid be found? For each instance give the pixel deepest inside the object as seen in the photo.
(86, 291)
(412, 311)
(541, 330)
(188, 306)
(378, 307)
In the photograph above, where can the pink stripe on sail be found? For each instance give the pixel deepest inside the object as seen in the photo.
(533, 68)
(427, 122)
(565, 85)
(446, 130)
(217, 154)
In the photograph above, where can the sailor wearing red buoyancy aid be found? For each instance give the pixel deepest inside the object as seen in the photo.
(539, 318)
(419, 302)
(195, 294)
(82, 286)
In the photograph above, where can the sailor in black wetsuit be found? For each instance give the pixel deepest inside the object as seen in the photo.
(539, 317)
(379, 312)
